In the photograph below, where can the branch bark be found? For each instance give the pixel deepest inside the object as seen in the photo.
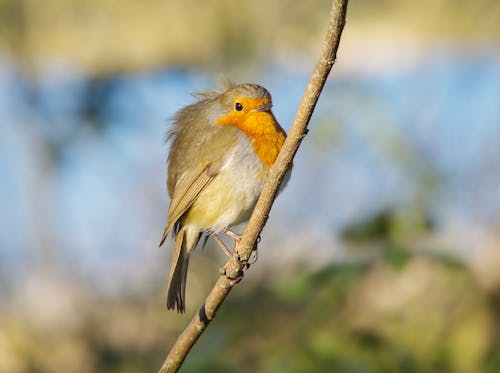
(243, 250)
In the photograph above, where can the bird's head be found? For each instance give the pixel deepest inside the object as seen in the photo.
(247, 107)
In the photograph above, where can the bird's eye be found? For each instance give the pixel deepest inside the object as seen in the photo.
(238, 106)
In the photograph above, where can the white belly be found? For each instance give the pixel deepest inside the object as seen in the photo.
(231, 196)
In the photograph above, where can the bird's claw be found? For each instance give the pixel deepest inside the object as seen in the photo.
(253, 256)
(240, 261)
(243, 262)
(232, 280)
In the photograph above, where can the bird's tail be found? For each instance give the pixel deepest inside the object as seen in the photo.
(176, 295)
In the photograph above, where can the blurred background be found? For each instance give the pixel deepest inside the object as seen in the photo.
(383, 253)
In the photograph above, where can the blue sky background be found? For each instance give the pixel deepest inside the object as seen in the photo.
(82, 162)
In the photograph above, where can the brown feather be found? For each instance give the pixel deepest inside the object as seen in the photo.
(178, 274)
(186, 192)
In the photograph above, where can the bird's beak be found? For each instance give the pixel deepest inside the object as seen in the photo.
(265, 107)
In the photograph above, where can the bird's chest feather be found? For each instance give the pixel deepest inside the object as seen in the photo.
(230, 198)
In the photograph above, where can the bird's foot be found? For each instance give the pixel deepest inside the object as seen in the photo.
(241, 261)
(244, 262)
(222, 245)
(233, 235)
(233, 280)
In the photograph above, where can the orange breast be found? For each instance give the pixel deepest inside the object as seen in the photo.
(268, 136)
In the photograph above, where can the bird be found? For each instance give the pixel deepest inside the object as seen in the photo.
(221, 149)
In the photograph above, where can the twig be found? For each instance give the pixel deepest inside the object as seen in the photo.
(243, 250)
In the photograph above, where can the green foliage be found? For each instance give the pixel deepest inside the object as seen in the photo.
(424, 315)
(394, 227)
(397, 257)
(373, 228)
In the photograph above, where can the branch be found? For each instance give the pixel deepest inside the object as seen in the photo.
(243, 250)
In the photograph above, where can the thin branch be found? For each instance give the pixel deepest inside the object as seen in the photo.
(243, 250)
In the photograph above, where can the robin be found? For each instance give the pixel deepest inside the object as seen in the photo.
(222, 147)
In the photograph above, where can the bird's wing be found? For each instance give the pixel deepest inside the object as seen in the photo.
(187, 189)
